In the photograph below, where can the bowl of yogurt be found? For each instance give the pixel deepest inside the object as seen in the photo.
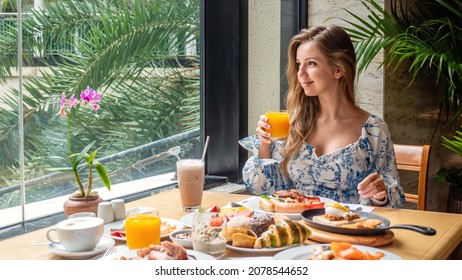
(207, 239)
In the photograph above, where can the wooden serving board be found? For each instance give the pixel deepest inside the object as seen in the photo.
(370, 240)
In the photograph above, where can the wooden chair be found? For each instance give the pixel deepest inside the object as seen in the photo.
(414, 158)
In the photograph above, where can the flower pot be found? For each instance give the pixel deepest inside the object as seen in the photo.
(455, 199)
(75, 203)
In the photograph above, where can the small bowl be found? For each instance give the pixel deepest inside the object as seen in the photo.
(182, 237)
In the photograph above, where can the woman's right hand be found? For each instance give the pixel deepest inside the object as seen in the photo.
(261, 126)
(264, 151)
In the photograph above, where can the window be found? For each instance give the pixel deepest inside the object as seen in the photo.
(143, 60)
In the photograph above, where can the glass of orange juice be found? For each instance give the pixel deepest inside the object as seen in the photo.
(141, 230)
(280, 124)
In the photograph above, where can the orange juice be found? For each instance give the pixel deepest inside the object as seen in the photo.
(279, 122)
(141, 230)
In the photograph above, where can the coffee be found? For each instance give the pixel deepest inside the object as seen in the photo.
(78, 234)
(190, 173)
(79, 223)
(82, 214)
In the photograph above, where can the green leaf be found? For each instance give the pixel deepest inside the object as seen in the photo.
(103, 174)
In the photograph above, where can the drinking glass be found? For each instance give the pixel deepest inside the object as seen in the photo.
(142, 230)
(190, 173)
(280, 124)
(207, 239)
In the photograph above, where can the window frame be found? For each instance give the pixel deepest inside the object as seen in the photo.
(224, 97)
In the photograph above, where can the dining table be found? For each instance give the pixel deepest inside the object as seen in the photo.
(407, 244)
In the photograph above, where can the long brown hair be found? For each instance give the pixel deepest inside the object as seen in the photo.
(336, 45)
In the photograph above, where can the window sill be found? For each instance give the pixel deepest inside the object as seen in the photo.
(45, 208)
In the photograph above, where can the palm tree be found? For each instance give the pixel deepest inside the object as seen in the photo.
(131, 51)
(426, 36)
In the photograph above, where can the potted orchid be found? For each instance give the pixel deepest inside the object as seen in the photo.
(85, 159)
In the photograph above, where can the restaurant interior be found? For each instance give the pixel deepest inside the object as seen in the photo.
(175, 80)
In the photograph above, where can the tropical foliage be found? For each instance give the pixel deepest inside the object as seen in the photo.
(452, 175)
(424, 35)
(130, 51)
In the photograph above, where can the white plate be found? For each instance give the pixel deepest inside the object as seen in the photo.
(116, 224)
(305, 252)
(104, 244)
(133, 253)
(261, 250)
(187, 219)
(119, 224)
(254, 203)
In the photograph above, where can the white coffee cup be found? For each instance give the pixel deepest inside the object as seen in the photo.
(82, 214)
(77, 234)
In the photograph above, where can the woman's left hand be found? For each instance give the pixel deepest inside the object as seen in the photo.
(373, 186)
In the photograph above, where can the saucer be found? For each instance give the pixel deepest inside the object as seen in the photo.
(104, 244)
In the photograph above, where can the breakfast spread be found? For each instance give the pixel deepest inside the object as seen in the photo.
(265, 231)
(343, 251)
(338, 215)
(289, 201)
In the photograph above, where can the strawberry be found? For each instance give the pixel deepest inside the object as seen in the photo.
(216, 221)
(215, 209)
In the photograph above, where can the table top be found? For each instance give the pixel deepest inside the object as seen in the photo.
(406, 244)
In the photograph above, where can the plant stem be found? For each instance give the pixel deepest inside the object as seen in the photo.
(79, 183)
(69, 133)
(76, 174)
(90, 178)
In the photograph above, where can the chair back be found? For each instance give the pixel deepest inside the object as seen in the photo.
(414, 158)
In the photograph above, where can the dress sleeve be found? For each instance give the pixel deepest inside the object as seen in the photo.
(385, 164)
(263, 176)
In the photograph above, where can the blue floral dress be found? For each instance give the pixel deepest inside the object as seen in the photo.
(334, 175)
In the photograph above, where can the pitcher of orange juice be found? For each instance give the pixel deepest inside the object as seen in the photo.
(280, 124)
(142, 230)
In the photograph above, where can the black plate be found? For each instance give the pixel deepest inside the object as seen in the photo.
(308, 215)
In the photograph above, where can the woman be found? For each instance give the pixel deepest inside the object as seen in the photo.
(335, 149)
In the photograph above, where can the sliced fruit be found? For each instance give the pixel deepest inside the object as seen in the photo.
(305, 230)
(283, 236)
(288, 229)
(274, 235)
(300, 232)
(216, 221)
(215, 209)
(295, 231)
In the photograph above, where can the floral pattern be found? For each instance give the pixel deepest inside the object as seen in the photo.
(334, 175)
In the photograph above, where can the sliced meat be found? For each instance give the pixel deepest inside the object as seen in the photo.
(282, 193)
(178, 252)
